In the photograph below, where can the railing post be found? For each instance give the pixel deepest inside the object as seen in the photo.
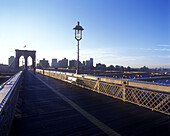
(65, 76)
(97, 86)
(124, 84)
(82, 84)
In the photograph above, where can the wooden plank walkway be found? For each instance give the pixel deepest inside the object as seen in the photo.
(46, 110)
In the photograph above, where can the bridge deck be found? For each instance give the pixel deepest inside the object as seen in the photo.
(64, 109)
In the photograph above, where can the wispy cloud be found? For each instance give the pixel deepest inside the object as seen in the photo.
(165, 65)
(148, 49)
(162, 49)
(155, 49)
(98, 53)
(108, 56)
(166, 45)
(163, 56)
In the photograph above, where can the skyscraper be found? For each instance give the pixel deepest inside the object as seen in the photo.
(72, 63)
(11, 62)
(91, 62)
(44, 63)
(65, 63)
(54, 63)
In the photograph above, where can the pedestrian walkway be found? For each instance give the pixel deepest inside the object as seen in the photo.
(49, 107)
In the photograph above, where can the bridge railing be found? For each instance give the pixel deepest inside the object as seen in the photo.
(9, 92)
(153, 96)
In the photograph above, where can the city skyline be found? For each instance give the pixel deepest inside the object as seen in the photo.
(127, 32)
(65, 63)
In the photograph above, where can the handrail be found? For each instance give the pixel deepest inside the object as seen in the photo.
(134, 83)
(149, 95)
(8, 98)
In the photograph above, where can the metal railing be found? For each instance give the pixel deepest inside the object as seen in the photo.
(9, 92)
(153, 96)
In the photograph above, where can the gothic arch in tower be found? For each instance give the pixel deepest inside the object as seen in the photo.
(26, 54)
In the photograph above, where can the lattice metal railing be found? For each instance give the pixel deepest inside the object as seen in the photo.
(86, 83)
(156, 99)
(111, 90)
(151, 99)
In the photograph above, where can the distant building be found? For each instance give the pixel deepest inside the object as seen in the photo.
(89, 63)
(72, 63)
(144, 68)
(60, 64)
(11, 62)
(84, 63)
(100, 66)
(44, 63)
(64, 63)
(3, 67)
(54, 63)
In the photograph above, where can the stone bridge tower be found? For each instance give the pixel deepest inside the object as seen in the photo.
(26, 54)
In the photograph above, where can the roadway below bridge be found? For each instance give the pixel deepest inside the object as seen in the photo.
(50, 107)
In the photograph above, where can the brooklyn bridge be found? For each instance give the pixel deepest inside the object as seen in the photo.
(45, 102)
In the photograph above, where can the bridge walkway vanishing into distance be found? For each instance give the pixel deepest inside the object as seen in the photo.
(47, 106)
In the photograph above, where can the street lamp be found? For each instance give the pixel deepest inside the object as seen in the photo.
(78, 36)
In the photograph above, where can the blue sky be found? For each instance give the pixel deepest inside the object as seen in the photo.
(118, 32)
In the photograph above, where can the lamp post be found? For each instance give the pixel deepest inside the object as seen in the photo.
(78, 36)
